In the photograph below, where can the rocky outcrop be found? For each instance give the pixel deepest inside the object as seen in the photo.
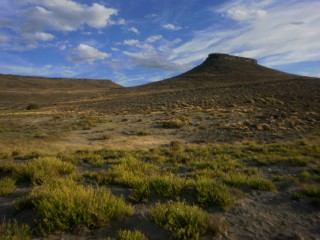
(214, 57)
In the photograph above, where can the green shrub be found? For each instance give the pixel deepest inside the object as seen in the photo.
(164, 186)
(212, 193)
(167, 186)
(83, 156)
(130, 235)
(43, 170)
(239, 180)
(7, 186)
(12, 230)
(184, 221)
(142, 193)
(63, 204)
(311, 190)
(262, 184)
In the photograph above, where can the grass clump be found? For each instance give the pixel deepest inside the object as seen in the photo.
(213, 193)
(83, 156)
(64, 204)
(167, 186)
(258, 183)
(12, 230)
(171, 123)
(262, 184)
(43, 170)
(312, 190)
(130, 235)
(126, 171)
(164, 186)
(184, 221)
(7, 186)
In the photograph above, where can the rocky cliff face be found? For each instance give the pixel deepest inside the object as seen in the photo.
(214, 57)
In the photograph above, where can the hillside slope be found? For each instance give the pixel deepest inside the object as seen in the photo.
(21, 90)
(221, 70)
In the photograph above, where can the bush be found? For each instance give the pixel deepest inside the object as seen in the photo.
(130, 235)
(43, 170)
(311, 190)
(172, 123)
(239, 180)
(209, 192)
(184, 221)
(33, 106)
(64, 204)
(7, 186)
(11, 230)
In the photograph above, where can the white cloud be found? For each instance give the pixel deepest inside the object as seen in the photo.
(154, 38)
(87, 54)
(263, 30)
(41, 36)
(171, 26)
(66, 15)
(130, 42)
(242, 14)
(134, 30)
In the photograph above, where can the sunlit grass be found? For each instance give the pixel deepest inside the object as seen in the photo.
(7, 186)
(184, 221)
(64, 204)
(11, 230)
(130, 235)
(211, 193)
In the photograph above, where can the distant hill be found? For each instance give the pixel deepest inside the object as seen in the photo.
(19, 91)
(221, 70)
(28, 82)
(222, 79)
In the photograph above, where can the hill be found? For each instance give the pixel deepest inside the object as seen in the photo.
(221, 70)
(8, 81)
(16, 90)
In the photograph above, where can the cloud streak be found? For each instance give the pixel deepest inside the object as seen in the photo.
(260, 29)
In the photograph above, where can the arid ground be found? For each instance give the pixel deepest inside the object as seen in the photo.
(228, 150)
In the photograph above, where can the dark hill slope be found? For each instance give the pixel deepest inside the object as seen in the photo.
(220, 81)
(27, 82)
(21, 90)
(221, 70)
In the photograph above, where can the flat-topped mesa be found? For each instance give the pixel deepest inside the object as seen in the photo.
(213, 57)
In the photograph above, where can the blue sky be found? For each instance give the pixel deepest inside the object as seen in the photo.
(140, 41)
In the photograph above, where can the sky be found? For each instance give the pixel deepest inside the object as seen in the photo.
(140, 41)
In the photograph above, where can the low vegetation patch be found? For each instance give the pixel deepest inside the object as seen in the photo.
(258, 183)
(7, 186)
(171, 123)
(184, 221)
(43, 170)
(212, 193)
(83, 156)
(12, 230)
(64, 204)
(130, 235)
